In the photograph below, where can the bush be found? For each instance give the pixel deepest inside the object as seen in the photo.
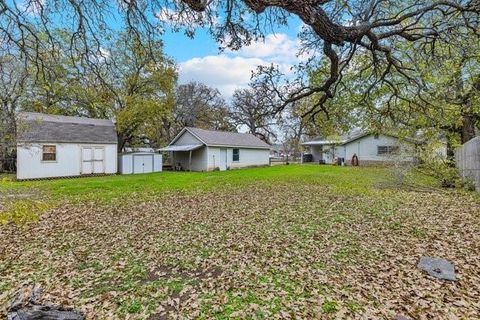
(443, 171)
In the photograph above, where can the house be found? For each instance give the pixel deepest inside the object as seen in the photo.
(197, 149)
(61, 146)
(370, 149)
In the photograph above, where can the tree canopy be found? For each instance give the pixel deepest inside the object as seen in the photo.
(335, 30)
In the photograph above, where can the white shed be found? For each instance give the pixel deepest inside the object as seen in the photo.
(196, 149)
(61, 146)
(139, 162)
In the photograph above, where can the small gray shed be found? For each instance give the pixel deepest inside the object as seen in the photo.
(139, 162)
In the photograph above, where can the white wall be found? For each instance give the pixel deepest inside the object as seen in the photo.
(248, 157)
(366, 149)
(186, 139)
(68, 162)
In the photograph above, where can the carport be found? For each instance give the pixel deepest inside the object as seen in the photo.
(188, 148)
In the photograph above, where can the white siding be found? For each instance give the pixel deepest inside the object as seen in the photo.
(68, 162)
(366, 149)
(187, 138)
(248, 158)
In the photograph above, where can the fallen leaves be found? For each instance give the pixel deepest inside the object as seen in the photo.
(266, 250)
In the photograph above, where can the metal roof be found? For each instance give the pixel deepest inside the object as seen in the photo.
(187, 147)
(35, 127)
(225, 138)
(322, 142)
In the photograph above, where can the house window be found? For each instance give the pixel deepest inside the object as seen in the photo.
(236, 155)
(49, 153)
(387, 150)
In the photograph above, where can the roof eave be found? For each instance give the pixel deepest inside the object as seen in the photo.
(237, 146)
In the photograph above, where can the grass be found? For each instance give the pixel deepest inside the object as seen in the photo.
(280, 242)
(44, 194)
(107, 188)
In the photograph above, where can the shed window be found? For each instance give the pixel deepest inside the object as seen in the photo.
(49, 153)
(387, 150)
(236, 155)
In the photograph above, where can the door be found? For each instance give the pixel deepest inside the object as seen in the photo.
(87, 158)
(223, 159)
(93, 160)
(142, 163)
(98, 160)
(148, 163)
(137, 164)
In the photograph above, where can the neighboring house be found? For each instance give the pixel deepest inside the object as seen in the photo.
(61, 146)
(371, 149)
(197, 149)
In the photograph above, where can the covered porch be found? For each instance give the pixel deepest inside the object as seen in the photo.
(324, 151)
(184, 157)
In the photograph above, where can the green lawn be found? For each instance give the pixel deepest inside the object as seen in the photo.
(280, 242)
(111, 187)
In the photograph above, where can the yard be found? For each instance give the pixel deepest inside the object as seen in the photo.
(284, 242)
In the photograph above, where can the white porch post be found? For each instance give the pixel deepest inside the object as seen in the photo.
(190, 160)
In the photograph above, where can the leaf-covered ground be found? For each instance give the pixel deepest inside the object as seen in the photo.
(298, 242)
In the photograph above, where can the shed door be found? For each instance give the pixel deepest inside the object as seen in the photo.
(98, 160)
(142, 163)
(148, 163)
(93, 160)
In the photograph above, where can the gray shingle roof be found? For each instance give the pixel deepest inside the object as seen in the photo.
(38, 127)
(224, 138)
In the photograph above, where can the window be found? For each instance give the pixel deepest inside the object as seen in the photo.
(236, 155)
(387, 150)
(49, 153)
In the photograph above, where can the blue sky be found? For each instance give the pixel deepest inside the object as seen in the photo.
(199, 59)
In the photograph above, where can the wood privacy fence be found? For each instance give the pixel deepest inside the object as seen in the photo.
(468, 161)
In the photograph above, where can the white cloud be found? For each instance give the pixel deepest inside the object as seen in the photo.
(233, 69)
(222, 72)
(275, 47)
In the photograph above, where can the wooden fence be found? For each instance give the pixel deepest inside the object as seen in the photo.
(468, 161)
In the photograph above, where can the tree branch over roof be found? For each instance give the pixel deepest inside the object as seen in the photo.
(336, 30)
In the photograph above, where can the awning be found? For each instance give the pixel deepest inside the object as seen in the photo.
(187, 147)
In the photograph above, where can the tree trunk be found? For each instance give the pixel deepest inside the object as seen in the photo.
(450, 153)
(468, 127)
(121, 144)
